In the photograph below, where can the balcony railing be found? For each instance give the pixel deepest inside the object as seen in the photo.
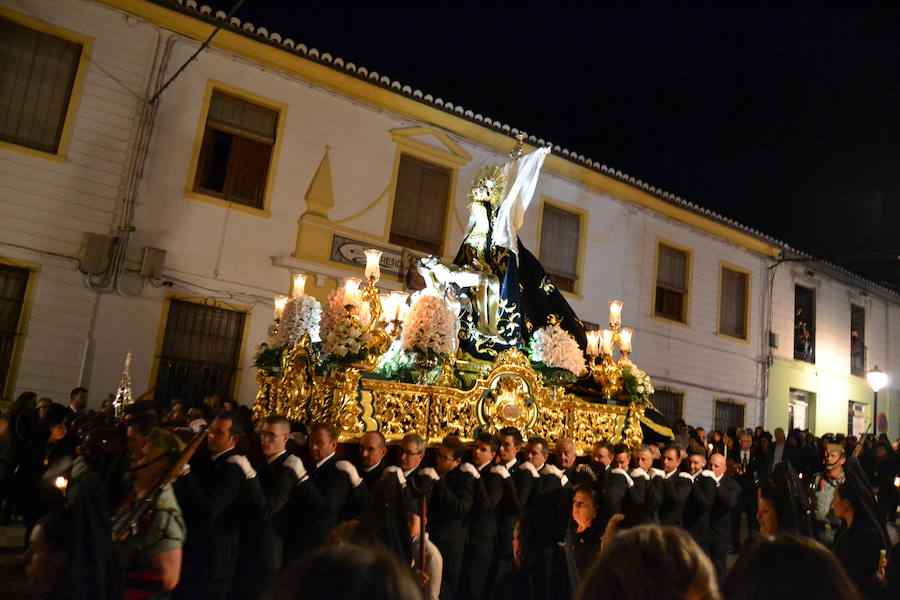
(858, 360)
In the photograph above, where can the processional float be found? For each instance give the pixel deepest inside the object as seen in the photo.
(490, 342)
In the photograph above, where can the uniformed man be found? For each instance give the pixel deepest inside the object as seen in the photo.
(824, 484)
(151, 556)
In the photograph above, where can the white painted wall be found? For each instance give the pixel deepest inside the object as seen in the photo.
(47, 206)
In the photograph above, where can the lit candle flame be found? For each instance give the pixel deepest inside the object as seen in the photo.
(593, 342)
(897, 481)
(399, 305)
(351, 288)
(280, 303)
(606, 341)
(625, 339)
(61, 483)
(373, 265)
(299, 285)
(615, 313)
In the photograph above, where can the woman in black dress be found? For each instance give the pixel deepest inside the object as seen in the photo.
(586, 531)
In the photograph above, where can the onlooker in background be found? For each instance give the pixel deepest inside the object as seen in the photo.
(78, 399)
(586, 530)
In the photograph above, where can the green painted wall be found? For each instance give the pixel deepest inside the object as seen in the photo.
(828, 412)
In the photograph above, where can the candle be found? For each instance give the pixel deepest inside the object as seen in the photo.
(710, 446)
(606, 341)
(280, 302)
(400, 307)
(625, 339)
(593, 343)
(897, 481)
(61, 483)
(615, 314)
(373, 265)
(387, 306)
(299, 287)
(351, 287)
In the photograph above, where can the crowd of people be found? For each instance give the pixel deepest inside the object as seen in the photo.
(204, 502)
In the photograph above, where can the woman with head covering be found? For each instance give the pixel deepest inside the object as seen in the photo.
(784, 504)
(860, 542)
(586, 528)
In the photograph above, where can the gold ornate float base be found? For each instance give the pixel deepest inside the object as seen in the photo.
(510, 394)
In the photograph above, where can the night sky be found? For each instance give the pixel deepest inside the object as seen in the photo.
(786, 118)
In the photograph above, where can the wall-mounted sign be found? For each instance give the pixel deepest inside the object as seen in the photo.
(352, 252)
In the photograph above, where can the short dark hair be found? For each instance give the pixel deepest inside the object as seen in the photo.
(76, 391)
(487, 438)
(678, 448)
(620, 449)
(604, 444)
(379, 435)
(513, 432)
(331, 430)
(545, 450)
(235, 428)
(451, 442)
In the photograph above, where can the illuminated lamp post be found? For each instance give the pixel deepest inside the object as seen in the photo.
(877, 380)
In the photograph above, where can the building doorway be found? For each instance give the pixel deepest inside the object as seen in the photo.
(799, 404)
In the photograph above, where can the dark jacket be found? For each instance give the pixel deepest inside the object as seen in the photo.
(452, 498)
(314, 509)
(673, 493)
(209, 499)
(720, 513)
(262, 536)
(697, 510)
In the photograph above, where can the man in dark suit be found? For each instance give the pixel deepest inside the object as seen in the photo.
(208, 495)
(782, 451)
(452, 498)
(696, 517)
(749, 469)
(261, 550)
(673, 488)
(613, 486)
(491, 488)
(510, 508)
(727, 492)
(315, 505)
(371, 465)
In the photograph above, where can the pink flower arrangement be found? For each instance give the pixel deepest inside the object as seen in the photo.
(430, 327)
(556, 348)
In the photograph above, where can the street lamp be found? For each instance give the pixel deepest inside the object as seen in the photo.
(877, 380)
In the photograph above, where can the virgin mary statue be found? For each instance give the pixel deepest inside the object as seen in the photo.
(523, 297)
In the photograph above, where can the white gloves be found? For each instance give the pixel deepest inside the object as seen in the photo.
(350, 470)
(549, 469)
(657, 473)
(294, 463)
(639, 472)
(470, 469)
(527, 466)
(429, 472)
(243, 463)
(622, 472)
(686, 476)
(500, 470)
(399, 472)
(708, 473)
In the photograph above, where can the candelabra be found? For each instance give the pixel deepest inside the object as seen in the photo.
(601, 348)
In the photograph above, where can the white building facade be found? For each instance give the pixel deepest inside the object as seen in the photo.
(264, 158)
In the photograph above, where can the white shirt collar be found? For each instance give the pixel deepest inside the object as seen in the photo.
(215, 457)
(510, 464)
(274, 458)
(482, 467)
(322, 462)
(372, 468)
(672, 474)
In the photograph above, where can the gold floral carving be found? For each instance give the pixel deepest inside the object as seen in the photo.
(510, 394)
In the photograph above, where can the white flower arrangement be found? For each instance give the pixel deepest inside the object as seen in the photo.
(343, 335)
(430, 327)
(300, 315)
(555, 348)
(636, 384)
